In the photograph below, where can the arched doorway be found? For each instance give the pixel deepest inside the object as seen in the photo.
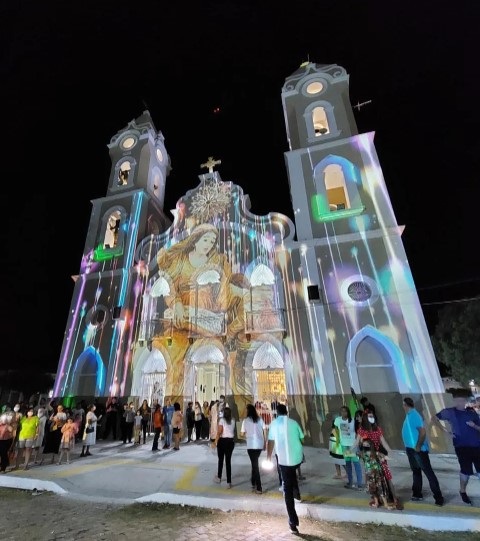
(268, 381)
(377, 365)
(206, 372)
(89, 374)
(150, 377)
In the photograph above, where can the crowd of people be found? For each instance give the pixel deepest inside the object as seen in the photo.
(31, 434)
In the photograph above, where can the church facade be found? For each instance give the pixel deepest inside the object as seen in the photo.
(260, 309)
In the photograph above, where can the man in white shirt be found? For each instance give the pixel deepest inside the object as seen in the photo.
(286, 436)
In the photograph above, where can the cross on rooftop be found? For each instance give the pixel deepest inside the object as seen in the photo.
(211, 163)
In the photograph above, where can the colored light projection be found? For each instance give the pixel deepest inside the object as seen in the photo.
(96, 346)
(203, 305)
(212, 305)
(368, 332)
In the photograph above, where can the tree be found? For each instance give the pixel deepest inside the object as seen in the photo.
(456, 340)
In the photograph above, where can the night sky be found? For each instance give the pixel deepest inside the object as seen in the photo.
(75, 73)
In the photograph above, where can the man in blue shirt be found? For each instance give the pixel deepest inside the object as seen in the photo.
(465, 430)
(286, 436)
(167, 413)
(414, 437)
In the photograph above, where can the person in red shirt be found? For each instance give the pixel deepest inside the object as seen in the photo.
(157, 426)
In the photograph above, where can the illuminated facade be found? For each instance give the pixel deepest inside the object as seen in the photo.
(258, 308)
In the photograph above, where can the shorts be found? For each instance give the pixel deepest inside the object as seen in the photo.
(467, 458)
(22, 444)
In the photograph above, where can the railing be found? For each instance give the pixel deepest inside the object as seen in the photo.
(204, 324)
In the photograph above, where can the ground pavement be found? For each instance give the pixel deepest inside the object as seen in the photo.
(126, 473)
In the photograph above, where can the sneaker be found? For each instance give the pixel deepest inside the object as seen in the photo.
(301, 477)
(217, 479)
(440, 502)
(280, 488)
(348, 485)
(258, 491)
(465, 498)
(298, 500)
(416, 499)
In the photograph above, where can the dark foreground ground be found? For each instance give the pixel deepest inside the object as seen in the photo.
(47, 516)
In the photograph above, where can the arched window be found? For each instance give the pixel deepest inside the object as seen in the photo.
(111, 232)
(320, 121)
(335, 185)
(124, 171)
(337, 194)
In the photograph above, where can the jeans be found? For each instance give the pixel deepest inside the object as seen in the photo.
(420, 462)
(290, 491)
(358, 470)
(167, 434)
(224, 452)
(254, 455)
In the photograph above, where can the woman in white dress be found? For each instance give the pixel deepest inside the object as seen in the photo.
(89, 435)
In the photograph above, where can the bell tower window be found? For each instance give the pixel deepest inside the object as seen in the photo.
(111, 233)
(123, 173)
(320, 121)
(336, 188)
(337, 193)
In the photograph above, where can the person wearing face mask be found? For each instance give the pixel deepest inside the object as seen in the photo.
(38, 443)
(90, 438)
(27, 434)
(373, 449)
(15, 422)
(53, 435)
(6, 440)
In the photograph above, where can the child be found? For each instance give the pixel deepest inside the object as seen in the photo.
(137, 428)
(67, 443)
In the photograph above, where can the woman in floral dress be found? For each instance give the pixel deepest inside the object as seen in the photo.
(373, 451)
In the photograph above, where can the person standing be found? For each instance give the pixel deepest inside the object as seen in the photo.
(67, 444)
(27, 436)
(177, 425)
(225, 443)
(374, 450)
(167, 412)
(157, 426)
(213, 419)
(206, 420)
(253, 428)
(112, 418)
(129, 416)
(465, 431)
(190, 415)
(146, 412)
(54, 434)
(286, 436)
(414, 436)
(89, 435)
(198, 419)
(6, 440)
(346, 434)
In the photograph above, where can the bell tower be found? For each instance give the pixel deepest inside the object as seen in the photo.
(358, 319)
(96, 352)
